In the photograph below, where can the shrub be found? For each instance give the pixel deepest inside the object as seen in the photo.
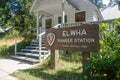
(6, 51)
(71, 56)
(105, 64)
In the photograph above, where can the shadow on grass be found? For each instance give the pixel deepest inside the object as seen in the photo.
(58, 75)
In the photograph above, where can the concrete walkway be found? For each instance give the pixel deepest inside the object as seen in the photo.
(8, 66)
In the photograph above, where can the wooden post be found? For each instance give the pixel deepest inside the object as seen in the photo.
(85, 56)
(54, 59)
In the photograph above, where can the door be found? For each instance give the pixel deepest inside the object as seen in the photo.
(48, 23)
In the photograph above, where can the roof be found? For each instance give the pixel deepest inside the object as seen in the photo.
(2, 30)
(50, 7)
(110, 12)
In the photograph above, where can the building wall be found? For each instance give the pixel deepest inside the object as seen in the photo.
(91, 15)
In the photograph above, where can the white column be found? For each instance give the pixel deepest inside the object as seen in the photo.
(63, 12)
(16, 45)
(37, 25)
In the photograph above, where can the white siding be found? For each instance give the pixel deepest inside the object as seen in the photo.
(91, 15)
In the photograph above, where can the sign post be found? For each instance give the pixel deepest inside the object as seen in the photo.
(85, 56)
(54, 58)
(83, 38)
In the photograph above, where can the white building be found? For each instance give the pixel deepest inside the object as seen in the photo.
(51, 12)
(112, 11)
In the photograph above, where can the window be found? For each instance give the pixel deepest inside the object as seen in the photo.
(80, 16)
(119, 5)
(60, 19)
(48, 23)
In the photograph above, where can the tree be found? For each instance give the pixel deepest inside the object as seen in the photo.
(21, 20)
(99, 3)
(24, 21)
(4, 13)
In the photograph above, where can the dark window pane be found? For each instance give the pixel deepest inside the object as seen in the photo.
(48, 23)
(60, 19)
(80, 16)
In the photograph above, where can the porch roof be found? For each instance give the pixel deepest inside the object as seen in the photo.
(50, 7)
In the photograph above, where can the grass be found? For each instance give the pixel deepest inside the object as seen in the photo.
(7, 46)
(9, 42)
(67, 70)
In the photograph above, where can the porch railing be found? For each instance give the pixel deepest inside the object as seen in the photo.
(16, 39)
(78, 24)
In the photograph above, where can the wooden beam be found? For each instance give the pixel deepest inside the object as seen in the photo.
(85, 56)
(54, 59)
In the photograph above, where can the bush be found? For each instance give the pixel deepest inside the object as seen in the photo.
(105, 65)
(6, 51)
(22, 44)
(71, 56)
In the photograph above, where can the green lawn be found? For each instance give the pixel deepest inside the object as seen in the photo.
(67, 70)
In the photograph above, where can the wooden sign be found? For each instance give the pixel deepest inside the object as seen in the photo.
(81, 38)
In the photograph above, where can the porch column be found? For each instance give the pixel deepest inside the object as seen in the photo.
(37, 25)
(63, 12)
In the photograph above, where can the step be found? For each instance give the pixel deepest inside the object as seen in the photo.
(33, 50)
(32, 60)
(32, 47)
(34, 44)
(30, 50)
(31, 54)
(44, 51)
(28, 54)
(37, 44)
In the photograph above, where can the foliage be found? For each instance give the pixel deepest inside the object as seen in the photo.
(2, 3)
(105, 64)
(117, 23)
(4, 13)
(23, 44)
(72, 56)
(11, 35)
(6, 51)
(3, 50)
(23, 21)
(99, 3)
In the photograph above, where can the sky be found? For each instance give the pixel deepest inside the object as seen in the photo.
(106, 1)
